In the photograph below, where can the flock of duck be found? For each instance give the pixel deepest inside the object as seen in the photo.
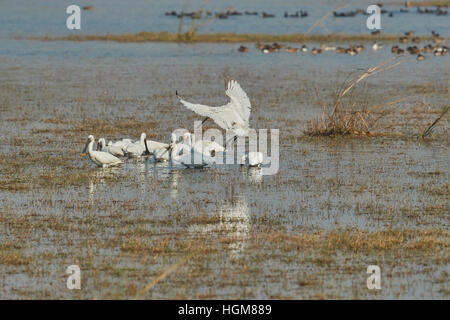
(437, 49)
(439, 10)
(185, 150)
(232, 12)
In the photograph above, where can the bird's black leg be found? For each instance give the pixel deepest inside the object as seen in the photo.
(204, 120)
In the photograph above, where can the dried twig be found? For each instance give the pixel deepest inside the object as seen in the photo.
(351, 120)
(370, 72)
(427, 132)
(162, 276)
(321, 20)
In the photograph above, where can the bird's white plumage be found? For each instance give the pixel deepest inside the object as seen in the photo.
(233, 116)
(191, 158)
(137, 148)
(102, 159)
(121, 144)
(154, 146)
(205, 146)
(110, 148)
(162, 151)
(252, 159)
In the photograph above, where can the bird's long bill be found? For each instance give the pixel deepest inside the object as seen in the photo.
(204, 120)
(146, 147)
(167, 149)
(85, 149)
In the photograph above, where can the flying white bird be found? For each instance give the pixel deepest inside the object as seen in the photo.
(102, 159)
(137, 148)
(233, 116)
(110, 148)
(252, 159)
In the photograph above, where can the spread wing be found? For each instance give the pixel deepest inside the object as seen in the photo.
(220, 115)
(239, 99)
(236, 112)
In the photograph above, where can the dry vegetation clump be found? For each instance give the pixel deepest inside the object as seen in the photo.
(349, 240)
(351, 116)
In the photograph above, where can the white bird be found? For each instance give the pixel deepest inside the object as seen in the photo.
(327, 48)
(154, 146)
(110, 148)
(233, 116)
(206, 147)
(102, 159)
(252, 159)
(191, 158)
(163, 153)
(137, 148)
(377, 46)
(121, 143)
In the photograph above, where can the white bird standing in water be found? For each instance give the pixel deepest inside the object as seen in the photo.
(191, 158)
(102, 159)
(154, 146)
(233, 116)
(377, 46)
(122, 143)
(163, 153)
(110, 148)
(252, 159)
(205, 146)
(137, 148)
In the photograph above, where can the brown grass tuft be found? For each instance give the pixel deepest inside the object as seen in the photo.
(350, 117)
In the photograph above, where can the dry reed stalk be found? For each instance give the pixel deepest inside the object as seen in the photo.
(369, 72)
(162, 276)
(354, 121)
(321, 20)
(427, 131)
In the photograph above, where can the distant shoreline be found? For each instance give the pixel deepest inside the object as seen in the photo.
(222, 37)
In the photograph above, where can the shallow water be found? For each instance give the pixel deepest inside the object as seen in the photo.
(235, 227)
(19, 18)
(323, 184)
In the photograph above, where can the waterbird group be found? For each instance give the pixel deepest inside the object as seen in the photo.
(438, 49)
(189, 152)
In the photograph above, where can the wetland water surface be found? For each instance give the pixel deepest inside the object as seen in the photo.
(336, 206)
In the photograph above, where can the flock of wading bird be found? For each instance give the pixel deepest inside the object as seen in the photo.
(438, 49)
(187, 151)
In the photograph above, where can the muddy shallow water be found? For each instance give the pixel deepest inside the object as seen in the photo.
(335, 206)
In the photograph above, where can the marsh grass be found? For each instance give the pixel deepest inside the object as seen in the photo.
(133, 239)
(349, 116)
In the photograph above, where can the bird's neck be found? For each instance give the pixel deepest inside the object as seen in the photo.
(91, 147)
